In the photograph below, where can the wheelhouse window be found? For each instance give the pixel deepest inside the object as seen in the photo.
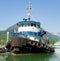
(32, 24)
(25, 24)
(35, 25)
(29, 25)
(22, 25)
(38, 26)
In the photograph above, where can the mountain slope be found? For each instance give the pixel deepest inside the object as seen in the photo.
(12, 28)
(52, 36)
(3, 35)
(57, 34)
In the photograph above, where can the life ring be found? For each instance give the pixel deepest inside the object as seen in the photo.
(38, 45)
(32, 43)
(47, 47)
(41, 45)
(44, 46)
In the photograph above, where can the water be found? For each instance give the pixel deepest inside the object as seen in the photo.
(32, 57)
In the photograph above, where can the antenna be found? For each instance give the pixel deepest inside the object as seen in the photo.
(29, 11)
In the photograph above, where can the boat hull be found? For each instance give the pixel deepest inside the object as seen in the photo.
(22, 45)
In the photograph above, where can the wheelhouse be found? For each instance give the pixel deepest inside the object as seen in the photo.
(29, 24)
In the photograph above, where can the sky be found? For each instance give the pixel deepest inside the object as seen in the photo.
(47, 12)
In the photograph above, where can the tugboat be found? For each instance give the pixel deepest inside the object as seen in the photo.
(30, 37)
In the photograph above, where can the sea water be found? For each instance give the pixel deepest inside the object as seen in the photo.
(32, 57)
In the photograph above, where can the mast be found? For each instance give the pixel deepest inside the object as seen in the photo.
(7, 36)
(29, 11)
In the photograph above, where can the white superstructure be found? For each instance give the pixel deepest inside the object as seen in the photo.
(29, 29)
